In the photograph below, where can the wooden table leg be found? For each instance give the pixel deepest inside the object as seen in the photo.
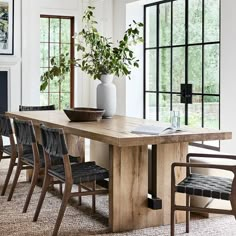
(76, 146)
(128, 186)
(128, 189)
(166, 154)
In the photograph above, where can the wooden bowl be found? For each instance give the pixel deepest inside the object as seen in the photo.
(84, 114)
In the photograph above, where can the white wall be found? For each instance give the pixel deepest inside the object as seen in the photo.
(228, 72)
(30, 52)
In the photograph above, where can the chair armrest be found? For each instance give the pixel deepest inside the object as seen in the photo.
(212, 166)
(210, 155)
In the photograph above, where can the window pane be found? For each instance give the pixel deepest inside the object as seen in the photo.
(43, 99)
(211, 69)
(178, 73)
(177, 106)
(65, 100)
(54, 99)
(151, 106)
(164, 107)
(44, 29)
(151, 29)
(164, 70)
(165, 24)
(54, 85)
(195, 21)
(211, 20)
(195, 68)
(65, 30)
(54, 50)
(211, 112)
(65, 48)
(151, 76)
(44, 55)
(65, 84)
(179, 22)
(195, 112)
(54, 30)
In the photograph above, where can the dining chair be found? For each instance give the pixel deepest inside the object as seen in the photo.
(25, 135)
(213, 187)
(36, 108)
(54, 147)
(8, 151)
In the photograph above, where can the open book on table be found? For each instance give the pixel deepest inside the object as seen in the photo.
(154, 130)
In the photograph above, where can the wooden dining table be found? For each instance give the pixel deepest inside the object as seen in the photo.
(128, 163)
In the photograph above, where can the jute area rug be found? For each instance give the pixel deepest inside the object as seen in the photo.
(79, 220)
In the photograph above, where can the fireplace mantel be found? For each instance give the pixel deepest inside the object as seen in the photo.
(8, 60)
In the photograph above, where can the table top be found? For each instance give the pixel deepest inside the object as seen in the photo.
(117, 130)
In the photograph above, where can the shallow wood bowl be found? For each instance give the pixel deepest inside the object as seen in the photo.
(84, 114)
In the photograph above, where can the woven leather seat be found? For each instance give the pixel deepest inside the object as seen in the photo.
(204, 186)
(54, 146)
(81, 173)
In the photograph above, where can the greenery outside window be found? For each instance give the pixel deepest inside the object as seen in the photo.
(182, 46)
(56, 38)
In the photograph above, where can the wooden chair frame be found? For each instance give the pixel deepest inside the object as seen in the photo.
(6, 131)
(188, 167)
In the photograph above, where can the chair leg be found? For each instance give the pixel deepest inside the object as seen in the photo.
(172, 211)
(187, 213)
(9, 172)
(46, 183)
(31, 190)
(66, 197)
(60, 189)
(79, 198)
(1, 154)
(17, 174)
(172, 221)
(94, 197)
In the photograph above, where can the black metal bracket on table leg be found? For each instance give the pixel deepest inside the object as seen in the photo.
(154, 203)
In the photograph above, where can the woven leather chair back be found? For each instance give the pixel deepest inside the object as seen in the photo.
(24, 132)
(5, 126)
(53, 141)
(36, 108)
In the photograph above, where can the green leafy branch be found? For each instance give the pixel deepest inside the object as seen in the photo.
(97, 54)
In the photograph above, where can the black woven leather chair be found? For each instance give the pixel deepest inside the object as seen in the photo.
(54, 147)
(8, 151)
(203, 185)
(25, 135)
(36, 108)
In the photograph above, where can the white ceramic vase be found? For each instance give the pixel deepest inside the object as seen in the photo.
(106, 96)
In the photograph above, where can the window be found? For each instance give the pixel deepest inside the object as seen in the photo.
(182, 62)
(56, 37)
